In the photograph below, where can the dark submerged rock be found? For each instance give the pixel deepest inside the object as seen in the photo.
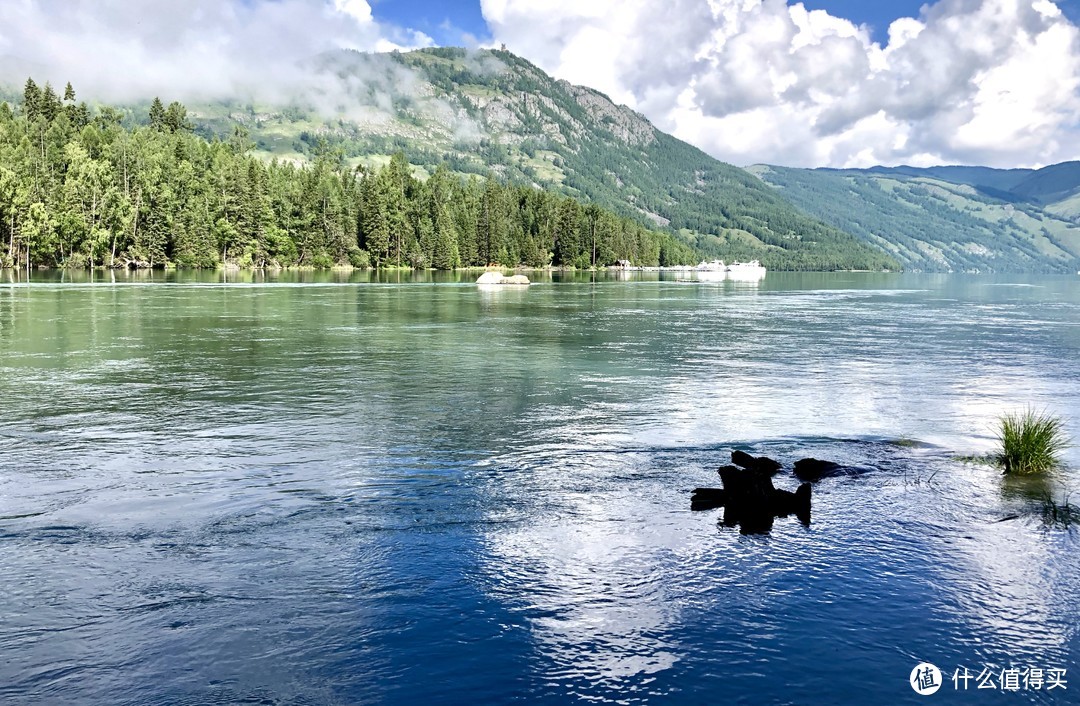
(708, 498)
(750, 500)
(752, 463)
(812, 469)
(797, 503)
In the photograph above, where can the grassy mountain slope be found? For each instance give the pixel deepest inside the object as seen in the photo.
(1055, 188)
(496, 112)
(931, 224)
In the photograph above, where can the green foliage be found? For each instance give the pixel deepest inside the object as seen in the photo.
(1031, 442)
(157, 114)
(360, 259)
(95, 193)
(322, 261)
(175, 118)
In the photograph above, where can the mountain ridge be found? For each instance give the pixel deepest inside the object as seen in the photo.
(495, 112)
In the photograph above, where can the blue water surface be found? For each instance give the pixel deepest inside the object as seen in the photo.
(302, 489)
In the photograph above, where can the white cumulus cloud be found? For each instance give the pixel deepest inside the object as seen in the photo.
(968, 81)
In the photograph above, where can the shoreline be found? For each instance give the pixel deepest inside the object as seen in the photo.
(403, 268)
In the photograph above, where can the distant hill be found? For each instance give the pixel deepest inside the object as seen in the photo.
(494, 112)
(1051, 185)
(1001, 179)
(1055, 188)
(944, 218)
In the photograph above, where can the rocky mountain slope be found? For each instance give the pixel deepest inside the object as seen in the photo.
(492, 111)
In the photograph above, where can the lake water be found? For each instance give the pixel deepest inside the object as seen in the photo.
(384, 490)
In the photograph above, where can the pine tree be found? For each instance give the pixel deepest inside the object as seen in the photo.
(175, 118)
(31, 100)
(466, 215)
(50, 103)
(491, 225)
(375, 227)
(157, 114)
(398, 185)
(445, 251)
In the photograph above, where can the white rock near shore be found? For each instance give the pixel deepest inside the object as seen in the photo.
(500, 278)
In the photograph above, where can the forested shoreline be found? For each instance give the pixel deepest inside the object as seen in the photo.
(80, 189)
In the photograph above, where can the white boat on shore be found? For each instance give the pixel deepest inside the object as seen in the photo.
(717, 271)
(746, 271)
(706, 271)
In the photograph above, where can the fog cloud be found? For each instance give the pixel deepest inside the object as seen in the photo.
(132, 49)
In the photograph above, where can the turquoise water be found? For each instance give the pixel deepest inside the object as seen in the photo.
(354, 489)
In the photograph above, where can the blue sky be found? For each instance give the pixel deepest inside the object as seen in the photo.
(878, 14)
(445, 21)
(442, 21)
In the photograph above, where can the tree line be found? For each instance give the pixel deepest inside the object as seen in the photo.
(83, 187)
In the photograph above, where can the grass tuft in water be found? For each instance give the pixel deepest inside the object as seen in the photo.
(1031, 441)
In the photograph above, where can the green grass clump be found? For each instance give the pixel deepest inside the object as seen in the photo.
(1031, 442)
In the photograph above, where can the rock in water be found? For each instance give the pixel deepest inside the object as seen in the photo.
(750, 500)
(708, 498)
(751, 463)
(500, 278)
(797, 503)
(812, 469)
(490, 278)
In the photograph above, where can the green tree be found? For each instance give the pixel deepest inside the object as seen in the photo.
(157, 114)
(31, 100)
(175, 118)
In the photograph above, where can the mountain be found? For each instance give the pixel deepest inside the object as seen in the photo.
(944, 219)
(998, 179)
(1056, 187)
(494, 112)
(1049, 187)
